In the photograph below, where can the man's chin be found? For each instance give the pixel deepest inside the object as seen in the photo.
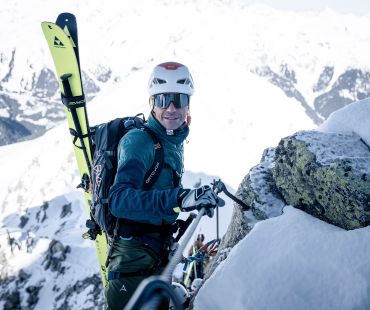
(171, 125)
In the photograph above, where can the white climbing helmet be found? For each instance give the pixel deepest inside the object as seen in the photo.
(181, 292)
(170, 77)
(196, 284)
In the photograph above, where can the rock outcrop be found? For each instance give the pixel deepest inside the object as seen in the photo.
(324, 174)
(55, 256)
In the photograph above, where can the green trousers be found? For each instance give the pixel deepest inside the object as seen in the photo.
(128, 257)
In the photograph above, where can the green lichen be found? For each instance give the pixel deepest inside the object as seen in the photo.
(334, 192)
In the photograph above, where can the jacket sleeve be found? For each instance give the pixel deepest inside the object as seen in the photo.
(126, 197)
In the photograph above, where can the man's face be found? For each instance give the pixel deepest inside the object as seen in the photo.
(171, 118)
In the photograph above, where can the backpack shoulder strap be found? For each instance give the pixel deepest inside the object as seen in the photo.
(154, 171)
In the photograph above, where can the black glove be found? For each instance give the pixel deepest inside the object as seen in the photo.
(202, 197)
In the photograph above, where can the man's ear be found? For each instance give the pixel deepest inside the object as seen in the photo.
(188, 118)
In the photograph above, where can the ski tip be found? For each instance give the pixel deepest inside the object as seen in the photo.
(44, 25)
(47, 23)
(65, 17)
(65, 13)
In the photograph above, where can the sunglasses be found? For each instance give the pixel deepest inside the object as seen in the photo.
(163, 101)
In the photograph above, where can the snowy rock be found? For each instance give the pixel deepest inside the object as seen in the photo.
(33, 296)
(12, 292)
(23, 276)
(12, 301)
(56, 254)
(41, 214)
(258, 190)
(327, 175)
(353, 81)
(324, 174)
(46, 84)
(66, 210)
(23, 221)
(90, 287)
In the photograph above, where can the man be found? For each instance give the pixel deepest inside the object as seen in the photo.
(146, 216)
(196, 269)
(198, 244)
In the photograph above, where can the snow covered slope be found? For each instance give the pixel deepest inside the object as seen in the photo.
(293, 261)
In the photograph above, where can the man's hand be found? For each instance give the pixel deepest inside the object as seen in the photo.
(202, 197)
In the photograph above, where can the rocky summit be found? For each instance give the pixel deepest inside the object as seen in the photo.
(325, 175)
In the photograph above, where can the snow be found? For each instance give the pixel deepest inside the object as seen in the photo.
(330, 146)
(295, 261)
(356, 120)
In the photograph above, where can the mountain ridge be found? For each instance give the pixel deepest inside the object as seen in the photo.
(28, 90)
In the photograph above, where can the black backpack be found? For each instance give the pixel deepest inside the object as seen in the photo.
(105, 139)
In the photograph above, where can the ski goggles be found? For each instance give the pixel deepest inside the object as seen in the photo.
(163, 101)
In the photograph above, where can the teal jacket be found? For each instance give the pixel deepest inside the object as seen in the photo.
(136, 152)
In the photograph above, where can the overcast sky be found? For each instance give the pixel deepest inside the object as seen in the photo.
(360, 7)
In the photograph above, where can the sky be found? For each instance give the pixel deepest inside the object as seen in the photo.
(358, 7)
(295, 261)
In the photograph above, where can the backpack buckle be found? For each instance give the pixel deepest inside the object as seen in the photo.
(93, 232)
(85, 183)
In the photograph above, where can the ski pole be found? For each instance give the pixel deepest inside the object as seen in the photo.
(177, 257)
(70, 104)
(152, 303)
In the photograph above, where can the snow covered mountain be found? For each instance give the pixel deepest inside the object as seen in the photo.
(316, 59)
(260, 75)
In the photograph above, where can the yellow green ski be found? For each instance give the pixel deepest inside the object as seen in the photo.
(64, 50)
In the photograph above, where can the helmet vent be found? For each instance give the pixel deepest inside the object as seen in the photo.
(159, 81)
(185, 82)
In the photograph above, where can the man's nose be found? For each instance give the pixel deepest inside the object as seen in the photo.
(171, 107)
